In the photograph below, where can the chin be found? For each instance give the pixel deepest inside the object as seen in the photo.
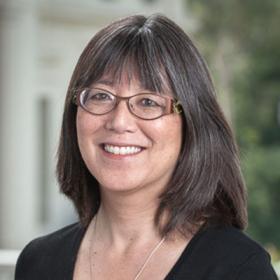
(119, 186)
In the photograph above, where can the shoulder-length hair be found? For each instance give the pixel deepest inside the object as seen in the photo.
(207, 185)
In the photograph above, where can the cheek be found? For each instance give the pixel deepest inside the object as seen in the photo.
(174, 136)
(85, 124)
(82, 131)
(167, 134)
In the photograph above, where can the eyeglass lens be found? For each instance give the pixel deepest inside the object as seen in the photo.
(143, 105)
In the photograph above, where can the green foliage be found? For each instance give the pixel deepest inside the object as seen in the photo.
(252, 28)
(258, 89)
(261, 171)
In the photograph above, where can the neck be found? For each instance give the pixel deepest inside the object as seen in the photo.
(127, 219)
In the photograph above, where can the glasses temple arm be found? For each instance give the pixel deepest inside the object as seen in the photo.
(176, 107)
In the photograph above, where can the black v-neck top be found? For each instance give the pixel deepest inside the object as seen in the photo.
(220, 253)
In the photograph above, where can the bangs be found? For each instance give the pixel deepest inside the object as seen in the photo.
(131, 55)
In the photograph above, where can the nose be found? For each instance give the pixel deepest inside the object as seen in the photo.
(120, 120)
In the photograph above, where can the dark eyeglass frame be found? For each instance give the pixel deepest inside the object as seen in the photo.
(173, 105)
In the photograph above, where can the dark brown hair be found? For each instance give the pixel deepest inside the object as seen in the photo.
(207, 184)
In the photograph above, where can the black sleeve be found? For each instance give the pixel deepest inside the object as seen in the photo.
(51, 257)
(21, 270)
(256, 267)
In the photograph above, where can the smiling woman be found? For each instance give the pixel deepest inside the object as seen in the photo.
(151, 165)
(156, 142)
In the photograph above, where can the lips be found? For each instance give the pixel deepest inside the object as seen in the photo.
(122, 150)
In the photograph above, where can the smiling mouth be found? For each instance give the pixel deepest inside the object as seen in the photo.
(121, 150)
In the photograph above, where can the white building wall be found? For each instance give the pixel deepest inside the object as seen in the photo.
(41, 41)
(18, 139)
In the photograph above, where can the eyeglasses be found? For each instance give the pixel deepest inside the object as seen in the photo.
(146, 106)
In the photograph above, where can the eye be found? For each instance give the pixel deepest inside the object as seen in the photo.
(99, 96)
(96, 96)
(147, 102)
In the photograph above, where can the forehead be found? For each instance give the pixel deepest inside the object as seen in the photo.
(133, 80)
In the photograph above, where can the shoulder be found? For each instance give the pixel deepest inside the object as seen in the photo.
(55, 240)
(43, 253)
(225, 239)
(226, 253)
(237, 253)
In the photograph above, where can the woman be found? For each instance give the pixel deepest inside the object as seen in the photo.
(150, 163)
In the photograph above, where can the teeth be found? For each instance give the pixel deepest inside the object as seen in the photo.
(121, 150)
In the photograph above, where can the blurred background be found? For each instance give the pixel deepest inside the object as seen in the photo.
(40, 42)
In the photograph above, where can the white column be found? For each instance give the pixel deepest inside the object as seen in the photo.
(18, 188)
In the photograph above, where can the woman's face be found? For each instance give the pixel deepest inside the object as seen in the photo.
(152, 146)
